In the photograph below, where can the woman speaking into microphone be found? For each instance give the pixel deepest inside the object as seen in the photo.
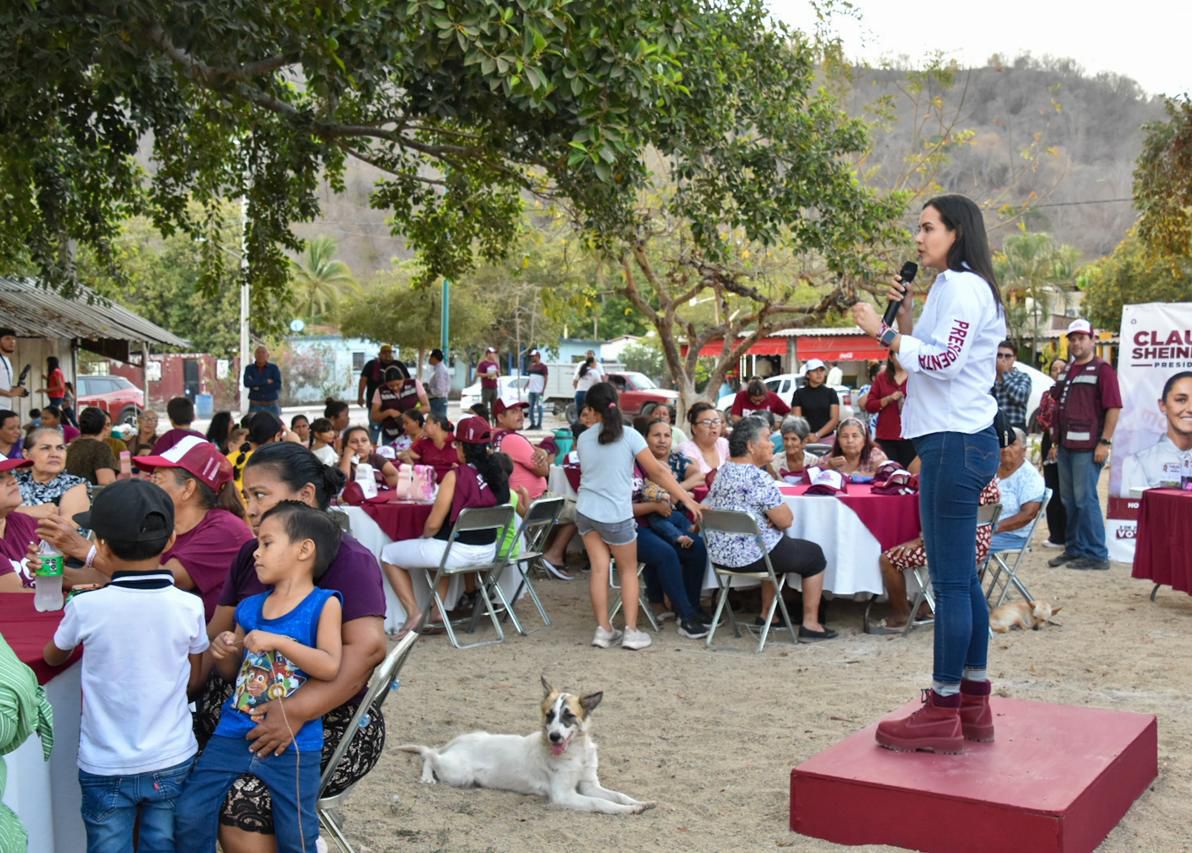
(949, 415)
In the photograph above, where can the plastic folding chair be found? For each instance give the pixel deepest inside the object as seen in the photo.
(987, 516)
(643, 603)
(535, 529)
(496, 519)
(742, 524)
(383, 682)
(1002, 566)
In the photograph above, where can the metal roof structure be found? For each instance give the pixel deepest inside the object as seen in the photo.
(37, 312)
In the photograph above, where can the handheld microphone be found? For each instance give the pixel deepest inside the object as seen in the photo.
(907, 274)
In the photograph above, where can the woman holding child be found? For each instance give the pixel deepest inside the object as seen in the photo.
(289, 472)
(667, 543)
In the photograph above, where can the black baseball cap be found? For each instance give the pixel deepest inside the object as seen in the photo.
(130, 511)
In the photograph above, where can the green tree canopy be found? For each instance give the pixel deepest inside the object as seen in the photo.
(464, 105)
(1163, 182)
(1132, 274)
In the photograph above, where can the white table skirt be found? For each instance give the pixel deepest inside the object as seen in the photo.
(851, 550)
(558, 484)
(369, 534)
(45, 794)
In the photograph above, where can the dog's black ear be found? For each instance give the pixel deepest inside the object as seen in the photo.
(589, 702)
(546, 684)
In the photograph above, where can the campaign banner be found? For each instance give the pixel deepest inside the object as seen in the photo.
(1153, 440)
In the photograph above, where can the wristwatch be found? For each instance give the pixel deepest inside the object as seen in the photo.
(887, 337)
(1108, 442)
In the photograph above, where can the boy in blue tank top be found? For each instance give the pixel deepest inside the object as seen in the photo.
(282, 638)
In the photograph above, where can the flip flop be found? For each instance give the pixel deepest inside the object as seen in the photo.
(554, 571)
(880, 628)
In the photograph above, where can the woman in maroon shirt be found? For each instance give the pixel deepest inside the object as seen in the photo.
(278, 472)
(887, 395)
(436, 447)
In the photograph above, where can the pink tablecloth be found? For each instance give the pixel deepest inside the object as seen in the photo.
(892, 519)
(399, 519)
(28, 631)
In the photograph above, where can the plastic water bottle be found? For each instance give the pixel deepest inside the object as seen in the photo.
(47, 580)
(125, 465)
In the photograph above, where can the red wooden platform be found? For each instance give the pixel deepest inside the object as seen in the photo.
(1058, 778)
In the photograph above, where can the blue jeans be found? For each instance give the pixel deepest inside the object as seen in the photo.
(580, 396)
(292, 779)
(536, 410)
(112, 804)
(374, 431)
(1085, 533)
(273, 407)
(679, 571)
(956, 467)
(438, 406)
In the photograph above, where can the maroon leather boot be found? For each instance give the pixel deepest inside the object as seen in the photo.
(934, 727)
(976, 720)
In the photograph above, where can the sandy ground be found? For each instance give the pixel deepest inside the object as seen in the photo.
(712, 735)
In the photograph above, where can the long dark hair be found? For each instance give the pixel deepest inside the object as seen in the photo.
(970, 250)
(218, 430)
(602, 399)
(51, 363)
(480, 457)
(263, 427)
(296, 466)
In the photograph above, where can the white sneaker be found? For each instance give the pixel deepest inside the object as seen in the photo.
(635, 640)
(1047, 543)
(604, 639)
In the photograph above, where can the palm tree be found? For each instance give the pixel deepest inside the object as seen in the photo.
(319, 280)
(1032, 269)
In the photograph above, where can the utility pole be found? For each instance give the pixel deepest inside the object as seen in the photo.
(244, 304)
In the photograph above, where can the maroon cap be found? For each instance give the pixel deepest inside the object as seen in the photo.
(473, 430)
(500, 407)
(7, 464)
(196, 456)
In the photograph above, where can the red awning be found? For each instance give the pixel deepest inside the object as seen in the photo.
(840, 348)
(765, 346)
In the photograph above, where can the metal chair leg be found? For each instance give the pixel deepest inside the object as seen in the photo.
(337, 833)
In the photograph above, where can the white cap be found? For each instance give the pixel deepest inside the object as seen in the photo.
(1080, 327)
(813, 364)
(491, 349)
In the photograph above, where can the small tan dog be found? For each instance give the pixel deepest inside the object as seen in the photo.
(1024, 614)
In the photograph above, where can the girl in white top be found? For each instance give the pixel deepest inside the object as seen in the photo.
(949, 413)
(604, 508)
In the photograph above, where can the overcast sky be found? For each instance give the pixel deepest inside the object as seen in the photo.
(1149, 41)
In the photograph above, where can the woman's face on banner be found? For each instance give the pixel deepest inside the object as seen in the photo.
(1177, 407)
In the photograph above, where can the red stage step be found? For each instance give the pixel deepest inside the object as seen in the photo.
(1058, 778)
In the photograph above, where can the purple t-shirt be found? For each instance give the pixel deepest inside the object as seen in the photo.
(207, 550)
(19, 530)
(354, 573)
(171, 438)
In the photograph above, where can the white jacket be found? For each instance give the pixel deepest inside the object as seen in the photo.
(952, 358)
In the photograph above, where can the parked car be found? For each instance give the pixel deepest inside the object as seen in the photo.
(510, 387)
(785, 385)
(113, 394)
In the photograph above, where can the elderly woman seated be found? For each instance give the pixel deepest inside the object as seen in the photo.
(47, 488)
(854, 452)
(1022, 490)
(795, 460)
(743, 485)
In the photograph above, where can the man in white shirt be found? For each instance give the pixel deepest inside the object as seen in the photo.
(439, 385)
(8, 376)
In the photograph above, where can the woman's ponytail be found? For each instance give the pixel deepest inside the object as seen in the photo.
(602, 399)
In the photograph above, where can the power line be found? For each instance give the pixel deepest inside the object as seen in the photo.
(1080, 203)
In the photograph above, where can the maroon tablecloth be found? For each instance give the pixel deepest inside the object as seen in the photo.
(399, 519)
(1163, 543)
(892, 519)
(28, 631)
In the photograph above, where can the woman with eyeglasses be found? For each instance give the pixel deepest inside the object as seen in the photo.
(949, 415)
(707, 448)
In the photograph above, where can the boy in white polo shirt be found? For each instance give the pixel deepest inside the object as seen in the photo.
(144, 641)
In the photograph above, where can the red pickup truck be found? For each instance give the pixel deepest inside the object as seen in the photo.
(638, 394)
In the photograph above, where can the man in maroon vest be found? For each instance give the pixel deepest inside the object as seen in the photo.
(395, 395)
(1082, 433)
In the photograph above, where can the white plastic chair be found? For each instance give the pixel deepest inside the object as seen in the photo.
(383, 682)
